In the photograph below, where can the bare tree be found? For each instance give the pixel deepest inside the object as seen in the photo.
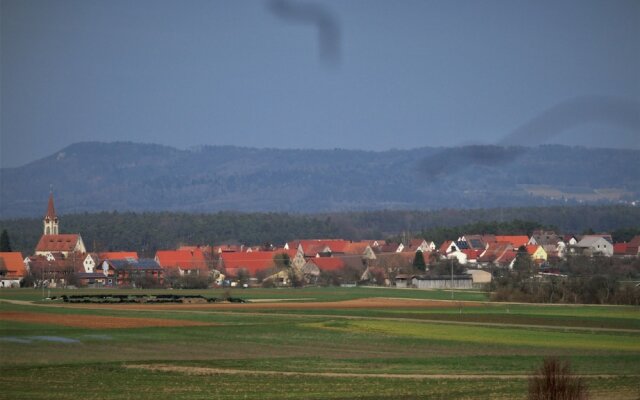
(555, 381)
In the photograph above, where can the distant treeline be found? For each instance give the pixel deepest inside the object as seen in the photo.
(95, 177)
(147, 232)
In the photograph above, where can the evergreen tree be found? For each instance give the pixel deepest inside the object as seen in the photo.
(5, 243)
(282, 260)
(523, 263)
(418, 261)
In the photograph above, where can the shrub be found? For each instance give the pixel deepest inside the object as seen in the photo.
(555, 381)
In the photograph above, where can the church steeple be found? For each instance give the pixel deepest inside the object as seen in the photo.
(50, 219)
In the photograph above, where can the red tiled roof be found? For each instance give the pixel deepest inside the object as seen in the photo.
(355, 248)
(389, 247)
(13, 263)
(444, 248)
(632, 247)
(252, 262)
(227, 248)
(635, 241)
(411, 248)
(495, 251)
(312, 245)
(426, 255)
(620, 249)
(311, 250)
(117, 255)
(204, 249)
(516, 241)
(185, 259)
(472, 254)
(64, 242)
(507, 257)
(328, 263)
(38, 264)
(532, 248)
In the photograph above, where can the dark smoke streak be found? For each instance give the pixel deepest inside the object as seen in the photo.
(575, 112)
(313, 14)
(554, 121)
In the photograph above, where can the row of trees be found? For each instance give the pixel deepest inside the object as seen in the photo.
(147, 232)
(587, 280)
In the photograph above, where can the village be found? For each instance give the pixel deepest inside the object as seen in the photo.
(468, 261)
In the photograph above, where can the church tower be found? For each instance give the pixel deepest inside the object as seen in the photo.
(50, 220)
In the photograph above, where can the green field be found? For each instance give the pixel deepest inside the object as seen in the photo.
(464, 351)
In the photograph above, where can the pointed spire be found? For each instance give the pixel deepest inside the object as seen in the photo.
(51, 211)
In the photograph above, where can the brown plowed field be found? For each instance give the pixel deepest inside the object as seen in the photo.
(94, 321)
(336, 305)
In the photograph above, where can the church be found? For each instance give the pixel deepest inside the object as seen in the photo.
(52, 242)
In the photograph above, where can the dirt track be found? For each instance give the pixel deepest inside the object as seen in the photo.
(94, 321)
(224, 371)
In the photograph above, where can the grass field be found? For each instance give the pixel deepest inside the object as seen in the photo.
(315, 343)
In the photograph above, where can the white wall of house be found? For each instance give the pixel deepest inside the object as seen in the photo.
(479, 276)
(298, 260)
(458, 255)
(597, 246)
(89, 264)
(442, 283)
(8, 283)
(369, 254)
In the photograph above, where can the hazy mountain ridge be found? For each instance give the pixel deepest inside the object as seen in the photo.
(94, 176)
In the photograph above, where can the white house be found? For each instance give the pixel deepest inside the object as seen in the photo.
(595, 245)
(89, 263)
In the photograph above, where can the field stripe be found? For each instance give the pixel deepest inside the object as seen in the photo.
(224, 371)
(217, 309)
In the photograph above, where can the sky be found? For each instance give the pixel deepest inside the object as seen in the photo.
(357, 74)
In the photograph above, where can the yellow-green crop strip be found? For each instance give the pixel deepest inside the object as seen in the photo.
(490, 335)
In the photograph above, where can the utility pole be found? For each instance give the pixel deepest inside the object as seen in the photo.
(451, 259)
(452, 279)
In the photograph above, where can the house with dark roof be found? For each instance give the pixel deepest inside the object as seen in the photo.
(390, 248)
(55, 269)
(130, 272)
(627, 249)
(498, 253)
(592, 245)
(544, 238)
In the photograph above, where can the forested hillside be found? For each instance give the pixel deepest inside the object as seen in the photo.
(147, 232)
(92, 177)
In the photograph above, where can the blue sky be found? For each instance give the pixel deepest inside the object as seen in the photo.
(403, 74)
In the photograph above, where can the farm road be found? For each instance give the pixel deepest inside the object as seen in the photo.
(224, 371)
